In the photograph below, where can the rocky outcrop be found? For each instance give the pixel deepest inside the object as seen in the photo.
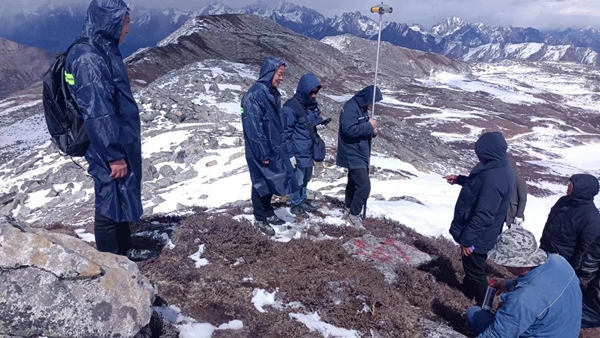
(55, 285)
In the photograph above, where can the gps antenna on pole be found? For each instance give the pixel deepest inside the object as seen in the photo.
(381, 10)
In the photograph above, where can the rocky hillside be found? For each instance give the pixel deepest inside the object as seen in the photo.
(189, 89)
(20, 66)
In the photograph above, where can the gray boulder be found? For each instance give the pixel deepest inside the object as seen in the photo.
(405, 198)
(56, 285)
(7, 198)
(149, 173)
(167, 171)
(186, 175)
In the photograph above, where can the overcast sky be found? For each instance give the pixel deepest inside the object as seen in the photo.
(541, 14)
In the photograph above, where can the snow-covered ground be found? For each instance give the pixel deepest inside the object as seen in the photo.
(222, 177)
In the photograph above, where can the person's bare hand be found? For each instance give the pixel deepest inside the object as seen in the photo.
(118, 169)
(464, 251)
(373, 123)
(499, 284)
(375, 131)
(451, 179)
(266, 162)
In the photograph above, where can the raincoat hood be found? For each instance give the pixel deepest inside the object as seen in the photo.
(105, 18)
(268, 69)
(365, 96)
(307, 83)
(585, 187)
(491, 147)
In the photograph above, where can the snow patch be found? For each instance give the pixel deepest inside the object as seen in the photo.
(200, 262)
(190, 328)
(461, 83)
(85, 236)
(314, 323)
(262, 298)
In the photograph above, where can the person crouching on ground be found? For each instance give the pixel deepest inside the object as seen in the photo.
(544, 301)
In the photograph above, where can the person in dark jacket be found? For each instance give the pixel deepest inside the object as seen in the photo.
(356, 131)
(516, 211)
(302, 107)
(589, 279)
(574, 221)
(99, 83)
(267, 154)
(481, 210)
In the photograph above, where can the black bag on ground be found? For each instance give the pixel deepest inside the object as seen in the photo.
(65, 123)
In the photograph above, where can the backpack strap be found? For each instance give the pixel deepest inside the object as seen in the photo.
(311, 128)
(90, 42)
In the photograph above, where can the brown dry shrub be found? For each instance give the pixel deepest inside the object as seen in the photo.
(318, 274)
(60, 228)
(590, 333)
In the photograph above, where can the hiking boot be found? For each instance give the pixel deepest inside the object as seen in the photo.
(346, 214)
(138, 255)
(355, 222)
(298, 210)
(274, 220)
(265, 228)
(309, 207)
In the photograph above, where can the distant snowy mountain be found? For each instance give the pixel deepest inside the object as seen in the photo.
(53, 27)
(448, 26)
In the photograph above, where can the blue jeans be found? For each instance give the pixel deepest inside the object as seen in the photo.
(590, 318)
(479, 320)
(303, 175)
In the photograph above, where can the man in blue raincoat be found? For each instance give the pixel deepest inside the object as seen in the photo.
(99, 83)
(267, 154)
(300, 113)
(354, 150)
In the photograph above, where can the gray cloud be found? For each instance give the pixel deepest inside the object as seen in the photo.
(541, 14)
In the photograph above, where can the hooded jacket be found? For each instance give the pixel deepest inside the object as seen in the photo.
(519, 197)
(264, 137)
(294, 122)
(355, 131)
(485, 196)
(574, 221)
(111, 115)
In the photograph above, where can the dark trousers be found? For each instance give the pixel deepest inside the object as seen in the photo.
(590, 318)
(112, 236)
(357, 190)
(262, 206)
(475, 282)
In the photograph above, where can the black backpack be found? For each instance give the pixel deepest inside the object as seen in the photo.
(65, 123)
